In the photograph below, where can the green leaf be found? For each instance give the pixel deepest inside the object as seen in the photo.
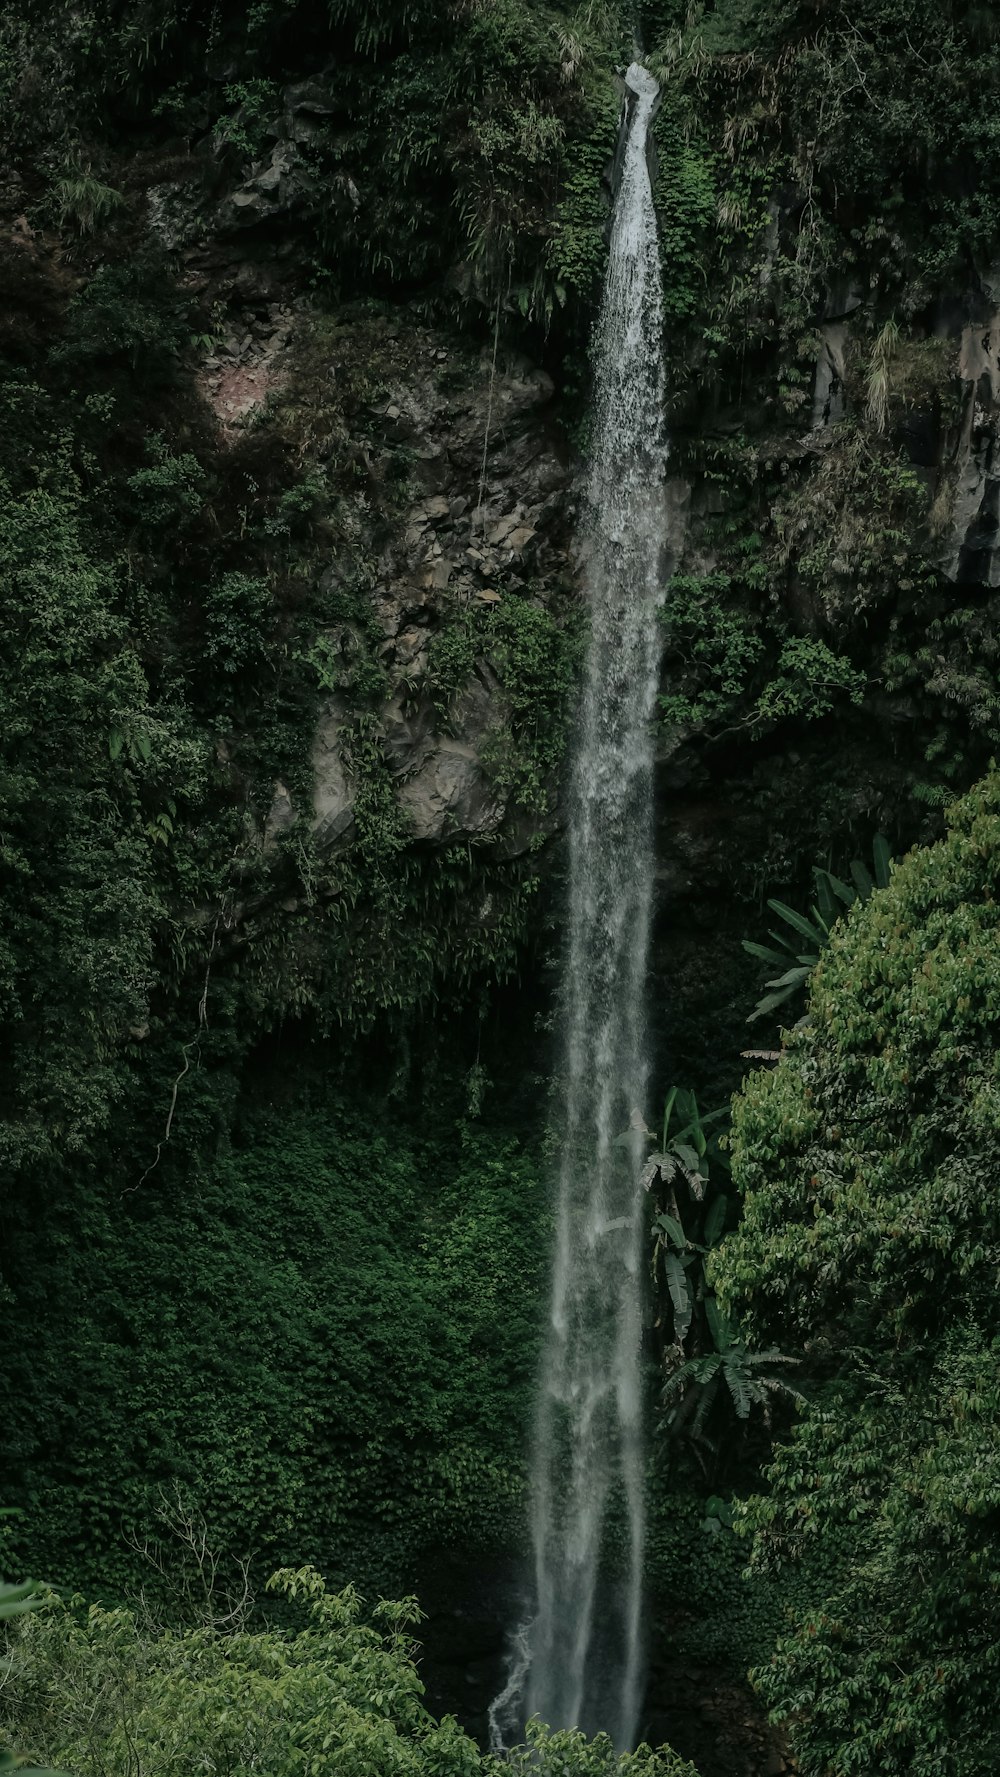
(15, 1600)
(862, 879)
(686, 1155)
(738, 1386)
(718, 1325)
(671, 1226)
(679, 1295)
(797, 921)
(794, 977)
(715, 1220)
(842, 890)
(667, 1111)
(882, 858)
(770, 1003)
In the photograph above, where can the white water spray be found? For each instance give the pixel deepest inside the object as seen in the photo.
(585, 1662)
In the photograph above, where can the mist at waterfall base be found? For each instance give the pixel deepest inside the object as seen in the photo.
(578, 1661)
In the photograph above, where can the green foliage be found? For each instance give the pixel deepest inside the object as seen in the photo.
(237, 612)
(313, 1365)
(126, 314)
(85, 201)
(694, 1204)
(170, 492)
(256, 104)
(742, 676)
(700, 1387)
(14, 1602)
(102, 1689)
(447, 131)
(892, 1484)
(720, 1617)
(691, 1159)
(833, 897)
(80, 901)
(687, 212)
(717, 645)
(536, 659)
(99, 1689)
(809, 680)
(870, 1238)
(576, 250)
(569, 1753)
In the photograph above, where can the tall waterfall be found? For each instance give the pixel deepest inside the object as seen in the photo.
(585, 1662)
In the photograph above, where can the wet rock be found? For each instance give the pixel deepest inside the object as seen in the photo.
(450, 796)
(972, 550)
(280, 816)
(276, 190)
(333, 792)
(407, 734)
(828, 387)
(519, 540)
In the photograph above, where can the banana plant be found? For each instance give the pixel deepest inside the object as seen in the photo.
(704, 1391)
(808, 934)
(711, 1376)
(686, 1170)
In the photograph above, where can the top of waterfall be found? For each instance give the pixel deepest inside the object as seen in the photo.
(640, 80)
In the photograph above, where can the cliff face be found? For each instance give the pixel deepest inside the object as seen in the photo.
(337, 280)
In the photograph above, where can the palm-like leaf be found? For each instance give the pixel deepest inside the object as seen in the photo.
(833, 898)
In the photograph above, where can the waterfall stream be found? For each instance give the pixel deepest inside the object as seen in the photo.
(584, 1659)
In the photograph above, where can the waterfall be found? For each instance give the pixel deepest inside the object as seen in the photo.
(586, 1659)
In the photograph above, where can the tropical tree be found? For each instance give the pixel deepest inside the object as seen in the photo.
(870, 1242)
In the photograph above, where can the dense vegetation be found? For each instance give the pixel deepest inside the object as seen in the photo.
(108, 1691)
(870, 1241)
(272, 1105)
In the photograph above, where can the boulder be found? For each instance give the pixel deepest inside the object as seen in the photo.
(333, 792)
(450, 796)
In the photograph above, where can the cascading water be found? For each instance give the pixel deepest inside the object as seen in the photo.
(583, 1651)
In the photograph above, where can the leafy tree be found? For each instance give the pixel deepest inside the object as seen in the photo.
(871, 1240)
(100, 1690)
(14, 1602)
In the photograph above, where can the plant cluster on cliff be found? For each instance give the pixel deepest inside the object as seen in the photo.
(828, 204)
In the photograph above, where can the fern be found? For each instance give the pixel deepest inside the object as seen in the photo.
(84, 201)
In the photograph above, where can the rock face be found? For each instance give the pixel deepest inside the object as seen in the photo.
(333, 793)
(482, 514)
(449, 795)
(972, 552)
(487, 519)
(964, 461)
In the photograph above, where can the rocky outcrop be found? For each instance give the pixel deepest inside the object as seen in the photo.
(333, 792)
(482, 513)
(485, 517)
(961, 463)
(488, 521)
(972, 550)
